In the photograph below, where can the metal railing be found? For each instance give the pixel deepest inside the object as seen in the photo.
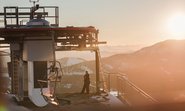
(127, 90)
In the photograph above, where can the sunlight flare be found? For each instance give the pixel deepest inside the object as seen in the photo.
(176, 26)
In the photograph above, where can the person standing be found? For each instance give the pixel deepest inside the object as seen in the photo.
(86, 83)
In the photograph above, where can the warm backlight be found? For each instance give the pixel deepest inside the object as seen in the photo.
(176, 26)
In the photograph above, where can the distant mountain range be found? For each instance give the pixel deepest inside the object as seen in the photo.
(158, 69)
(105, 51)
(76, 66)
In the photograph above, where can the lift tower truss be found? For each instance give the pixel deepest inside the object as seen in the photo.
(16, 33)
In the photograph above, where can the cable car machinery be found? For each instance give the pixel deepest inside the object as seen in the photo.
(36, 41)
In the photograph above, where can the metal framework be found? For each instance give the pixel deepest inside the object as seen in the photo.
(64, 38)
(15, 17)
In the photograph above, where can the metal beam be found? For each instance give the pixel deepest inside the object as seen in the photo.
(23, 13)
(97, 71)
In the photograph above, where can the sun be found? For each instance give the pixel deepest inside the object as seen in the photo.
(176, 26)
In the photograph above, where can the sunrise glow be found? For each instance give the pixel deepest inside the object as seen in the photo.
(176, 26)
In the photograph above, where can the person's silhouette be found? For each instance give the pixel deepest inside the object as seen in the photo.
(86, 83)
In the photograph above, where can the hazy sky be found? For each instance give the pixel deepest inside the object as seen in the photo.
(121, 22)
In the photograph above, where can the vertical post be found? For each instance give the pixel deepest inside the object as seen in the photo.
(43, 15)
(118, 85)
(12, 71)
(53, 41)
(108, 81)
(54, 61)
(56, 16)
(17, 16)
(5, 22)
(97, 72)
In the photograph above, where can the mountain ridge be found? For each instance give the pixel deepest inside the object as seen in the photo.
(157, 68)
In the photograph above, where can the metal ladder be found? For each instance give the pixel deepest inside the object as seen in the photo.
(15, 74)
(17, 78)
